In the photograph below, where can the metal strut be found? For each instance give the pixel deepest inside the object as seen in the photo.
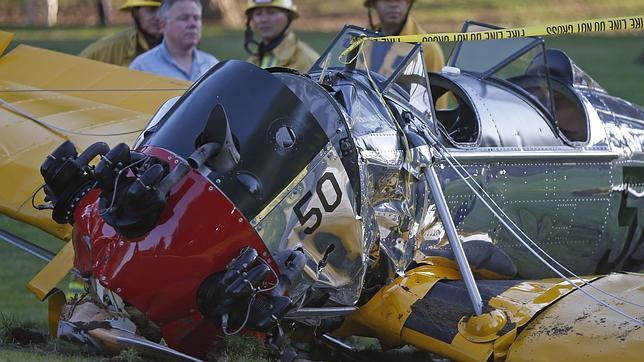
(452, 236)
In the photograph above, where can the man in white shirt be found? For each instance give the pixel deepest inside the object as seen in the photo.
(177, 56)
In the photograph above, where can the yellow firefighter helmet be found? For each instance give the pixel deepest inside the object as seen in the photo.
(281, 4)
(129, 4)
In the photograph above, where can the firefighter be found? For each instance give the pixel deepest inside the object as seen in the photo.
(122, 47)
(279, 46)
(395, 19)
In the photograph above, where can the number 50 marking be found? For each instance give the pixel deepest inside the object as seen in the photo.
(324, 200)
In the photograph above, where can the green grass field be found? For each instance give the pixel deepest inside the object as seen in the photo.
(18, 307)
(609, 60)
(18, 268)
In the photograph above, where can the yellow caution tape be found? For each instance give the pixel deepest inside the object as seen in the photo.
(584, 26)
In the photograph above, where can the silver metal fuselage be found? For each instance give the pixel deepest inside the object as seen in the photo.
(569, 197)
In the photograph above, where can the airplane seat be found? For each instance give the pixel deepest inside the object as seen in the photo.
(569, 111)
(460, 122)
(559, 66)
(570, 116)
(448, 117)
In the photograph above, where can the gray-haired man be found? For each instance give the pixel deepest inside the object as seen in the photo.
(177, 56)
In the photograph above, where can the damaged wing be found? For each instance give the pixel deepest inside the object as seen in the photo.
(47, 98)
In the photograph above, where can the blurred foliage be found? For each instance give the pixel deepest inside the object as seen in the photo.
(435, 15)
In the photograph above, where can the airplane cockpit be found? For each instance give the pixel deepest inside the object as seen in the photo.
(485, 81)
(491, 79)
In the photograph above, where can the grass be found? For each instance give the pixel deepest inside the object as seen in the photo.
(22, 340)
(18, 268)
(16, 354)
(611, 61)
(19, 308)
(238, 348)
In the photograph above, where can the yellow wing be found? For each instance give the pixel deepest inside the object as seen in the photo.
(48, 97)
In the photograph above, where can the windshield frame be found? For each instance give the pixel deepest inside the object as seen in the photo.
(491, 73)
(537, 41)
(381, 81)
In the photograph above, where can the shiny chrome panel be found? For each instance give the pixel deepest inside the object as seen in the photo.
(340, 226)
(564, 187)
(560, 204)
(557, 193)
(396, 195)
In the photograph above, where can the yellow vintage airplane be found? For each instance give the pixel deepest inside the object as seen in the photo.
(290, 269)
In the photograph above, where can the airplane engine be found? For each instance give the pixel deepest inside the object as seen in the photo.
(177, 227)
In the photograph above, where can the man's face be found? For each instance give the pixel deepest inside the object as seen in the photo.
(182, 27)
(148, 20)
(391, 12)
(269, 22)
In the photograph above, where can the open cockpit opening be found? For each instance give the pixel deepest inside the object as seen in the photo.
(458, 120)
(543, 77)
(567, 110)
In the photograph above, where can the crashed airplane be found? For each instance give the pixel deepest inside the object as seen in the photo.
(347, 202)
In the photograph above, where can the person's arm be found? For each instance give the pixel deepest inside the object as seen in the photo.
(106, 51)
(435, 61)
(434, 58)
(90, 52)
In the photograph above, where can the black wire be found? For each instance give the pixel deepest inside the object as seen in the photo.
(33, 200)
(249, 39)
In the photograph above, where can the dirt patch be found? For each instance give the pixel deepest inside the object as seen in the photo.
(625, 329)
(556, 330)
(582, 317)
(23, 337)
